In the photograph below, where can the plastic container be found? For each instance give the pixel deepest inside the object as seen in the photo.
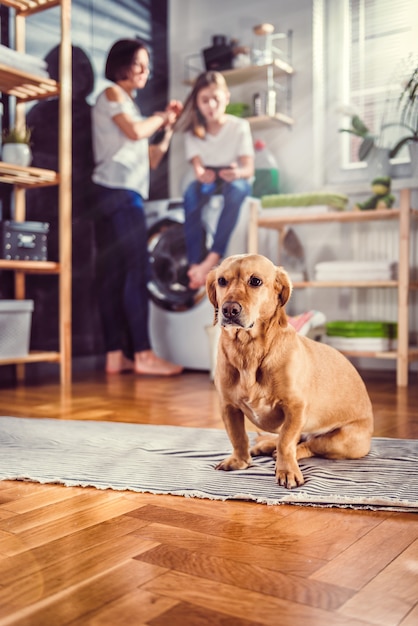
(15, 325)
(266, 181)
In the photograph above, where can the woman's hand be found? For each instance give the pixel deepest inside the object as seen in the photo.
(175, 106)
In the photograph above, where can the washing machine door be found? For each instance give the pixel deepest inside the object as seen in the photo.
(168, 286)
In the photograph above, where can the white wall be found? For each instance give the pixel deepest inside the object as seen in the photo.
(191, 26)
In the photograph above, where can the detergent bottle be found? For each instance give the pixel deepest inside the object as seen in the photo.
(266, 175)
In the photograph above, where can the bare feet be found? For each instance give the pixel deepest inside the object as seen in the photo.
(197, 273)
(116, 362)
(147, 362)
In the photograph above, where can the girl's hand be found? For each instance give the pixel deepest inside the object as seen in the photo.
(204, 175)
(231, 173)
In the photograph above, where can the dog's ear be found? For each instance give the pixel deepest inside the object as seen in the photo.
(283, 285)
(211, 291)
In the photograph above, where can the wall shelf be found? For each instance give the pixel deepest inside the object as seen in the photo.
(26, 87)
(27, 177)
(279, 69)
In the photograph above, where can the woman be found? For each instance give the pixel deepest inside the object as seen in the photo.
(123, 158)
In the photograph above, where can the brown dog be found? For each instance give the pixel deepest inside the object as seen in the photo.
(306, 392)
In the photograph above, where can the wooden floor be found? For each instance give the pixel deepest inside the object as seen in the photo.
(82, 556)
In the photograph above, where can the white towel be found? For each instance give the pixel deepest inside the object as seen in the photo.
(23, 61)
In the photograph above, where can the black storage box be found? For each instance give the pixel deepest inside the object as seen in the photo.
(219, 56)
(24, 241)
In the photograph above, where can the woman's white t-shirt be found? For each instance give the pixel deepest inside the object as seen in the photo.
(233, 140)
(120, 162)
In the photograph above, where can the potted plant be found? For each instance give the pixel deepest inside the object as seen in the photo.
(16, 146)
(408, 103)
(359, 129)
(377, 157)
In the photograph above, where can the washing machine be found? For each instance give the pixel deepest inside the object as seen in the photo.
(181, 320)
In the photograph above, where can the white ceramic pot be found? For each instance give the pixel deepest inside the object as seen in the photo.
(378, 163)
(413, 155)
(17, 154)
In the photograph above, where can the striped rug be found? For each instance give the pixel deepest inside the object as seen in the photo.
(180, 461)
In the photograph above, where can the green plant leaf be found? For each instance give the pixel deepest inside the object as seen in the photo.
(359, 126)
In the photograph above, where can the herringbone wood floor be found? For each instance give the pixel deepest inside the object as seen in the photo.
(81, 556)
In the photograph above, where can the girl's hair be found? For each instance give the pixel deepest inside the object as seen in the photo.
(121, 57)
(191, 118)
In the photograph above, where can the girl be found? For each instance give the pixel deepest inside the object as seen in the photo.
(121, 175)
(220, 148)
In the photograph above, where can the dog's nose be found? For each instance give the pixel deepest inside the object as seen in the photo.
(231, 310)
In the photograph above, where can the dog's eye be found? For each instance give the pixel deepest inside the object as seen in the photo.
(222, 281)
(255, 281)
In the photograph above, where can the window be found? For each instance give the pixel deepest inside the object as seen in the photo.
(370, 46)
(379, 38)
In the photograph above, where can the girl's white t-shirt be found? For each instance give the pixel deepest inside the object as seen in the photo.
(232, 141)
(120, 162)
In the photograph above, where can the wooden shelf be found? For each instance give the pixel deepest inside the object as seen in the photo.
(258, 121)
(368, 284)
(389, 354)
(29, 7)
(274, 218)
(24, 86)
(32, 357)
(30, 267)
(239, 75)
(27, 177)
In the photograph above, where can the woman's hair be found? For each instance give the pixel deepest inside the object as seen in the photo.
(121, 57)
(191, 118)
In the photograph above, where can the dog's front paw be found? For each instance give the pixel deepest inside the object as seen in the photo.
(289, 478)
(233, 463)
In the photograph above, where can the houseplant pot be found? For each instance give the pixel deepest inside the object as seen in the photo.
(16, 146)
(378, 163)
(408, 103)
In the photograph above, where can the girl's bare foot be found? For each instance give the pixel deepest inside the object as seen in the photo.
(147, 362)
(198, 273)
(116, 362)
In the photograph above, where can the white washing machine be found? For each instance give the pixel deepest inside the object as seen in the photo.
(180, 322)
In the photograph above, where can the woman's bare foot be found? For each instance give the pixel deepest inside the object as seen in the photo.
(116, 362)
(147, 362)
(197, 273)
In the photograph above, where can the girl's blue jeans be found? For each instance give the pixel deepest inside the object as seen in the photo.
(122, 269)
(196, 197)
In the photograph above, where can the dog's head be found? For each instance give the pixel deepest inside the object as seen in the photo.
(248, 288)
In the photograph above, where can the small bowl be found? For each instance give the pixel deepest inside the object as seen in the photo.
(263, 29)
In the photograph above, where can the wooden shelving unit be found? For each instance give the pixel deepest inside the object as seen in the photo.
(405, 354)
(25, 87)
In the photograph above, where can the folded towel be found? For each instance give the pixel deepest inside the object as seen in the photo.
(336, 200)
(359, 266)
(353, 275)
(356, 270)
(23, 61)
(362, 344)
